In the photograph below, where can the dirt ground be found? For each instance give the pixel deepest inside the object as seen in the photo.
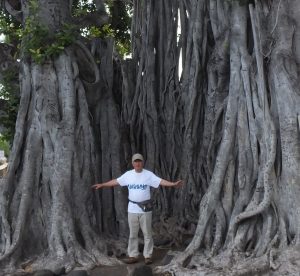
(126, 270)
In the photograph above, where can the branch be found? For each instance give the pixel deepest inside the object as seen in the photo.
(99, 5)
(275, 25)
(98, 18)
(11, 7)
(88, 64)
(7, 62)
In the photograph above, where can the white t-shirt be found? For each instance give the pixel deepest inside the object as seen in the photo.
(138, 184)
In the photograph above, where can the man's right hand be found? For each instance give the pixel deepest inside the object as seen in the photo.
(110, 183)
(97, 186)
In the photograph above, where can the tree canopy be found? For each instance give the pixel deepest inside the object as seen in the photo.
(34, 37)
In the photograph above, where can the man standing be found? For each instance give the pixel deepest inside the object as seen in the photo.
(138, 182)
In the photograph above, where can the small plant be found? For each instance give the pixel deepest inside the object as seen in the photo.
(40, 44)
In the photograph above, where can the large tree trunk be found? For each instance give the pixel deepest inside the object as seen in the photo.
(46, 201)
(105, 106)
(239, 150)
(152, 107)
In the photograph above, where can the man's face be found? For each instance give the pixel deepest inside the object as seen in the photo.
(138, 165)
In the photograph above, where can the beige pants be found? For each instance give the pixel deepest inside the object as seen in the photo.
(136, 221)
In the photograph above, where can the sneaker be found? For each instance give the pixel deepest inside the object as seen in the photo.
(130, 260)
(148, 261)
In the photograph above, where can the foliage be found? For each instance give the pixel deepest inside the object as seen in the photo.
(4, 145)
(103, 32)
(39, 42)
(119, 26)
(9, 88)
(9, 92)
(10, 28)
(120, 22)
(82, 7)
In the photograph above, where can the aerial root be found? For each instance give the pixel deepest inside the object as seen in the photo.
(230, 262)
(220, 230)
(74, 257)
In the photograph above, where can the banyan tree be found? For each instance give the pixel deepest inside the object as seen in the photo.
(210, 94)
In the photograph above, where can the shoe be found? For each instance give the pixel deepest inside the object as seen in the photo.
(148, 261)
(130, 260)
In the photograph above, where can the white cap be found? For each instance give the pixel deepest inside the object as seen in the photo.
(137, 156)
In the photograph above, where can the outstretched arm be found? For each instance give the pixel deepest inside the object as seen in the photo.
(111, 183)
(167, 183)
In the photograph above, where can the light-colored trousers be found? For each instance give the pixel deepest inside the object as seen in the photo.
(136, 221)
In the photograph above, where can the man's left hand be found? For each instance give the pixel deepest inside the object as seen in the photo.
(178, 183)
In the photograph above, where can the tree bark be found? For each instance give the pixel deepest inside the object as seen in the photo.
(46, 200)
(238, 91)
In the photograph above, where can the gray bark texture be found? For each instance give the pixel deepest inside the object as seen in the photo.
(50, 217)
(214, 102)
